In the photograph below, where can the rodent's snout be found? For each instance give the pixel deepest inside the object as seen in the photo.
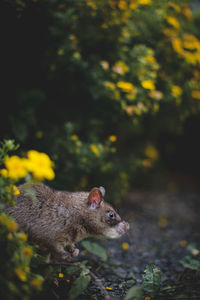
(123, 227)
(126, 226)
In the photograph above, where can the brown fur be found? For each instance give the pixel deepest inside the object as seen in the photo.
(58, 219)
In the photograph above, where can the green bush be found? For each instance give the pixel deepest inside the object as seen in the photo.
(18, 280)
(119, 72)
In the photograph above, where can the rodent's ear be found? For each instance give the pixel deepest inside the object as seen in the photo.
(94, 198)
(102, 190)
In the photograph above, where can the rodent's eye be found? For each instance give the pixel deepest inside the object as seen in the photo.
(111, 215)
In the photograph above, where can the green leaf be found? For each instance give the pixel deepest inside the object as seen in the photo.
(135, 292)
(29, 192)
(78, 286)
(151, 280)
(71, 270)
(190, 263)
(95, 249)
(193, 249)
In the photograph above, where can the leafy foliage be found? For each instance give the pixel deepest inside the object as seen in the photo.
(151, 280)
(17, 275)
(135, 292)
(95, 249)
(115, 77)
(190, 263)
(128, 81)
(78, 286)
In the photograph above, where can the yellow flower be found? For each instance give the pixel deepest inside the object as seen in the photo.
(12, 225)
(122, 4)
(22, 236)
(177, 45)
(125, 246)
(147, 163)
(10, 236)
(120, 67)
(189, 48)
(147, 298)
(125, 86)
(133, 5)
(196, 94)
(37, 282)
(190, 42)
(40, 165)
(187, 12)
(156, 95)
(94, 149)
(175, 7)
(173, 22)
(150, 59)
(39, 134)
(169, 32)
(108, 288)
(60, 275)
(20, 274)
(144, 2)
(148, 84)
(151, 152)
(4, 219)
(91, 4)
(27, 251)
(16, 191)
(176, 91)
(74, 137)
(112, 138)
(109, 85)
(60, 52)
(183, 243)
(4, 173)
(104, 64)
(15, 167)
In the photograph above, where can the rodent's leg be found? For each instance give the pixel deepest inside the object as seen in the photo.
(59, 248)
(73, 250)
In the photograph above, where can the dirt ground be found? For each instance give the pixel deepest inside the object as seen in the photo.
(162, 225)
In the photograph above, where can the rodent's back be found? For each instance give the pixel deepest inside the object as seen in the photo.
(38, 211)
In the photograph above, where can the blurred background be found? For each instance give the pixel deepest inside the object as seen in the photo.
(109, 89)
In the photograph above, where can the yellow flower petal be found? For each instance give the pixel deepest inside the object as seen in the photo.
(148, 84)
(112, 138)
(125, 86)
(27, 251)
(12, 225)
(20, 274)
(176, 91)
(183, 243)
(4, 173)
(125, 246)
(15, 167)
(196, 94)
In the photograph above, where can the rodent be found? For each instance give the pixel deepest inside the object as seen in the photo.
(57, 220)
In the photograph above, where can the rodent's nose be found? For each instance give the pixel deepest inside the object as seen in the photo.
(126, 226)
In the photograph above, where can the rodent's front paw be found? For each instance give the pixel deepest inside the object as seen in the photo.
(75, 252)
(66, 256)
